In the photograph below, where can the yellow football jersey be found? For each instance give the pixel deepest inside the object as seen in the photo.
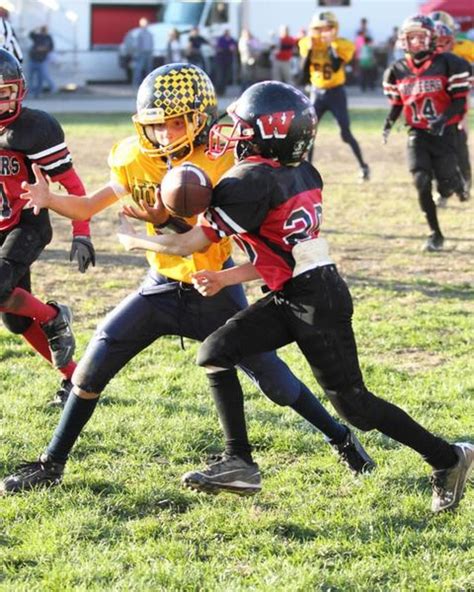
(321, 72)
(138, 173)
(464, 48)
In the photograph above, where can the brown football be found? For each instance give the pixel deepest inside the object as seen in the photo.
(186, 190)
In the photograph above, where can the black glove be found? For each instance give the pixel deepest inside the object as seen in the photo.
(82, 249)
(436, 126)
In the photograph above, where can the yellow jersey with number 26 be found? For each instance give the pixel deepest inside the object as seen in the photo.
(138, 175)
(321, 71)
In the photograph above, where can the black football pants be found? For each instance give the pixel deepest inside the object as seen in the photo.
(315, 311)
(20, 247)
(434, 157)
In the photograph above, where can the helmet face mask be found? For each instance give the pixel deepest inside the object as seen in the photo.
(12, 88)
(171, 91)
(418, 37)
(272, 120)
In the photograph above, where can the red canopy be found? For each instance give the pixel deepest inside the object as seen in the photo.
(453, 7)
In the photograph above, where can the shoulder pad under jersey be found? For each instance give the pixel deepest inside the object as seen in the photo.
(36, 130)
(124, 152)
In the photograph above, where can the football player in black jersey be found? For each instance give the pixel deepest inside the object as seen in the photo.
(431, 89)
(173, 127)
(271, 202)
(445, 42)
(30, 136)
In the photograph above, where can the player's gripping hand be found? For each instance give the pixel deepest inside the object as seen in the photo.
(436, 126)
(36, 194)
(83, 250)
(157, 214)
(207, 283)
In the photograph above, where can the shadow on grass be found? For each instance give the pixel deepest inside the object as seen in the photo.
(430, 289)
(385, 236)
(103, 258)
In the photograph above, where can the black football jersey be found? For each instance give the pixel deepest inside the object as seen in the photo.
(34, 137)
(268, 208)
(426, 91)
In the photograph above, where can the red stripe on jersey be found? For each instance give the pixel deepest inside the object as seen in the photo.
(52, 157)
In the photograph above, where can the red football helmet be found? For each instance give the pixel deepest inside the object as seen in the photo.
(12, 87)
(418, 36)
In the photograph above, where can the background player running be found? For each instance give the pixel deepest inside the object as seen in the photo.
(431, 89)
(325, 56)
(30, 136)
(271, 202)
(446, 41)
(176, 105)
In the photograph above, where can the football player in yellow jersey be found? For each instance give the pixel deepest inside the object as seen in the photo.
(325, 55)
(176, 105)
(446, 42)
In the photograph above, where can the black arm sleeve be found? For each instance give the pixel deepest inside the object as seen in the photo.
(336, 61)
(457, 107)
(393, 116)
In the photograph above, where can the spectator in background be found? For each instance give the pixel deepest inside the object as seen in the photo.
(8, 38)
(226, 49)
(194, 51)
(359, 41)
(249, 50)
(39, 64)
(283, 53)
(394, 51)
(367, 65)
(174, 50)
(142, 61)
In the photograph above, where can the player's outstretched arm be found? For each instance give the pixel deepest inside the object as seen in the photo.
(184, 244)
(39, 196)
(209, 283)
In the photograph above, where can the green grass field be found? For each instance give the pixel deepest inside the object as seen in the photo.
(121, 521)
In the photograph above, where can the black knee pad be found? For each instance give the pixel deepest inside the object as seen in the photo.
(15, 323)
(6, 280)
(211, 353)
(355, 405)
(422, 180)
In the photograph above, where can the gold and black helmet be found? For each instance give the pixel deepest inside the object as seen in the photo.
(170, 91)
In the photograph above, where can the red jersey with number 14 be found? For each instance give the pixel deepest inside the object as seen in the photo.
(268, 208)
(426, 91)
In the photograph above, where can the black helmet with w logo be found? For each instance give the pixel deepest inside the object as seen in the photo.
(271, 119)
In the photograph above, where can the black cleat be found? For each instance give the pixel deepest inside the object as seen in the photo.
(353, 455)
(62, 394)
(434, 243)
(227, 473)
(449, 484)
(364, 174)
(60, 336)
(32, 475)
